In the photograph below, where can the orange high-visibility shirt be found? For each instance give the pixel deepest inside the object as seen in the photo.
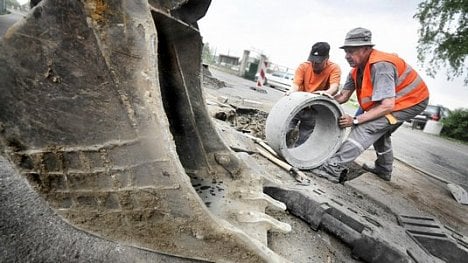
(410, 88)
(308, 81)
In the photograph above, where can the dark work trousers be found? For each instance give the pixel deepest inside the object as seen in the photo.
(303, 123)
(376, 132)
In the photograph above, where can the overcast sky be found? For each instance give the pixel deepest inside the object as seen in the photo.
(286, 30)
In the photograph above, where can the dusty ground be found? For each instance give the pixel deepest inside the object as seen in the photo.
(410, 192)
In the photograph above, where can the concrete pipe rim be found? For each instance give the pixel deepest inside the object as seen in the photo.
(325, 138)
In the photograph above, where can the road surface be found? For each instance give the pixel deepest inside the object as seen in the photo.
(7, 20)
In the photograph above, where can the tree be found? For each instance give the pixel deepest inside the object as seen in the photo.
(12, 3)
(456, 125)
(443, 37)
(207, 54)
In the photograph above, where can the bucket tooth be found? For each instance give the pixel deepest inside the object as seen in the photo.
(254, 217)
(261, 197)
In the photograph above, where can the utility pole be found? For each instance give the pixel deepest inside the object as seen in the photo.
(2, 7)
(243, 64)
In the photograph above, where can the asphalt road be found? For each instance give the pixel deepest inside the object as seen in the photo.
(7, 20)
(428, 153)
(432, 154)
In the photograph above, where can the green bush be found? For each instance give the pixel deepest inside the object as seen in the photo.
(456, 125)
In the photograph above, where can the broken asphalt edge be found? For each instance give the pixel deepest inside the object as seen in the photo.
(323, 215)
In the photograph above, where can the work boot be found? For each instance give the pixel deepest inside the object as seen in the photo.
(385, 175)
(344, 176)
(321, 171)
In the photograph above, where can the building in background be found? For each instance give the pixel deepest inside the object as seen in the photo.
(228, 61)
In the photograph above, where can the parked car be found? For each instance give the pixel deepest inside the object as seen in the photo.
(432, 112)
(278, 80)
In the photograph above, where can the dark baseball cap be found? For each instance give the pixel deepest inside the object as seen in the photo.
(320, 51)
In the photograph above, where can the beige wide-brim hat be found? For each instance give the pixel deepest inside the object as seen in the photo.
(358, 37)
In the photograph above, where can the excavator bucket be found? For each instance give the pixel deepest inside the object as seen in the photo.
(103, 113)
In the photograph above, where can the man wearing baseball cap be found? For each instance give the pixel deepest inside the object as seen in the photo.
(388, 90)
(318, 73)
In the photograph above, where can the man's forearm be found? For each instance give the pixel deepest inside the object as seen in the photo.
(343, 96)
(333, 89)
(382, 109)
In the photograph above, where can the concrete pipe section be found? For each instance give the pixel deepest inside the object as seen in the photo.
(303, 129)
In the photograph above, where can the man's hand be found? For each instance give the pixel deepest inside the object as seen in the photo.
(323, 93)
(345, 121)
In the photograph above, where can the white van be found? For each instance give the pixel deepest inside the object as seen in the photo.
(278, 80)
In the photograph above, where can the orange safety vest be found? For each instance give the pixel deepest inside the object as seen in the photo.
(410, 88)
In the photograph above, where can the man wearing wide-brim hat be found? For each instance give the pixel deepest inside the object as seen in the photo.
(388, 90)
